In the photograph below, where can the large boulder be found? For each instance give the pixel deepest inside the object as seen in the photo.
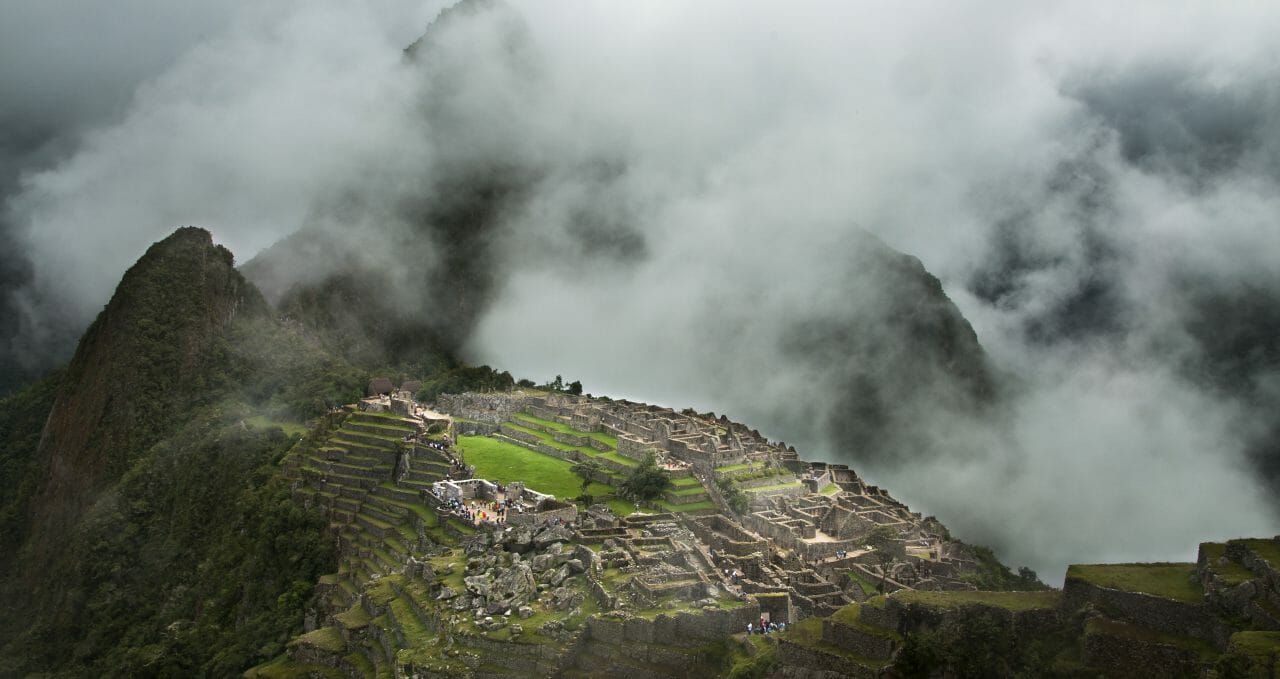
(552, 534)
(520, 541)
(480, 585)
(566, 598)
(558, 577)
(515, 582)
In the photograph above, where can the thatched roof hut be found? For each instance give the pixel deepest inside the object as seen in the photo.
(379, 386)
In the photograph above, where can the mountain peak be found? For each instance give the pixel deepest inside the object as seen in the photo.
(153, 352)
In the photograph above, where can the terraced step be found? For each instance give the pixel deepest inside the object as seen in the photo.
(334, 482)
(409, 630)
(359, 448)
(367, 461)
(348, 504)
(346, 469)
(360, 663)
(1125, 649)
(373, 525)
(424, 477)
(394, 492)
(378, 508)
(381, 418)
(379, 441)
(379, 429)
(428, 454)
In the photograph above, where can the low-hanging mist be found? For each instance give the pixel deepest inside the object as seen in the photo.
(686, 194)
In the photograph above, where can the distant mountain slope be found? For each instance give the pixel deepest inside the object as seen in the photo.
(892, 355)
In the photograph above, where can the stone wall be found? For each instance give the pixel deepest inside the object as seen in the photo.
(1123, 656)
(585, 421)
(633, 448)
(1159, 613)
(474, 428)
(681, 629)
(491, 408)
(803, 662)
(863, 643)
(565, 514)
(543, 412)
(572, 439)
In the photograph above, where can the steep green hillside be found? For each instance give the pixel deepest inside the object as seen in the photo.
(146, 530)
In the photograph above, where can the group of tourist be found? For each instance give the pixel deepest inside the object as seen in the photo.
(765, 627)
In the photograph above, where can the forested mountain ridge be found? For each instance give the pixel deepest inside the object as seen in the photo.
(142, 506)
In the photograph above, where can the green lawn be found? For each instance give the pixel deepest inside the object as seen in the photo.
(611, 441)
(1172, 580)
(830, 489)
(546, 438)
(691, 507)
(506, 462)
(685, 481)
(621, 507)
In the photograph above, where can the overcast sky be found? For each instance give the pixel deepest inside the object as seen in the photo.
(1090, 181)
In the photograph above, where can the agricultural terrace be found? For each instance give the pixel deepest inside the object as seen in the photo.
(1172, 580)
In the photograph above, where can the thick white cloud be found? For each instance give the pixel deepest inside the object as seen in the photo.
(700, 169)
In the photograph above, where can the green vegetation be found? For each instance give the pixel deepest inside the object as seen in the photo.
(586, 451)
(1267, 549)
(993, 575)
(808, 633)
(1172, 580)
(733, 495)
(326, 638)
(687, 507)
(611, 441)
(1255, 643)
(292, 429)
(1128, 631)
(506, 462)
(975, 643)
(22, 418)
(647, 481)
(866, 585)
(1013, 601)
(1231, 572)
(761, 663)
(222, 538)
(463, 379)
(888, 547)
